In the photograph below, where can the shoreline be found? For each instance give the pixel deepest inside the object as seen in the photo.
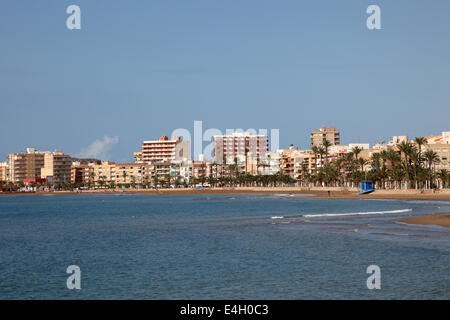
(315, 193)
(442, 220)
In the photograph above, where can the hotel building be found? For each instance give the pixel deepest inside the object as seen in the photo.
(239, 145)
(163, 149)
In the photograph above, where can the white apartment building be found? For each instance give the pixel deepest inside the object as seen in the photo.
(164, 150)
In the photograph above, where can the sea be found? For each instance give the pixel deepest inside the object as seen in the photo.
(220, 246)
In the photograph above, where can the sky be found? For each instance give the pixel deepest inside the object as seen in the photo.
(138, 70)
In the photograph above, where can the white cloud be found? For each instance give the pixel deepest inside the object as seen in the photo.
(99, 149)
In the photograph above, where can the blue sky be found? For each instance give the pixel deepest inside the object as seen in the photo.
(140, 69)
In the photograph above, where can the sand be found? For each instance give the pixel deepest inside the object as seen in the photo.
(316, 193)
(442, 220)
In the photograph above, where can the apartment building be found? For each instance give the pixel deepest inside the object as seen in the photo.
(105, 171)
(163, 150)
(109, 172)
(318, 137)
(162, 168)
(82, 173)
(443, 152)
(54, 167)
(239, 145)
(3, 171)
(182, 169)
(270, 163)
(444, 138)
(26, 165)
(57, 167)
(201, 169)
(128, 173)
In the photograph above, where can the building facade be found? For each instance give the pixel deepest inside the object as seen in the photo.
(163, 150)
(318, 137)
(240, 145)
(3, 171)
(26, 165)
(57, 167)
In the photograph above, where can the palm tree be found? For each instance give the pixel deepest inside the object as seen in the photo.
(101, 181)
(393, 157)
(414, 157)
(156, 180)
(326, 145)
(431, 158)
(356, 151)
(406, 148)
(224, 164)
(420, 141)
(246, 155)
(92, 178)
(444, 175)
(124, 175)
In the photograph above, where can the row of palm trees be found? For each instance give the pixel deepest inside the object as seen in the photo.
(404, 167)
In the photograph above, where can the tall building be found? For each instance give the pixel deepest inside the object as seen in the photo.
(57, 167)
(164, 149)
(318, 137)
(240, 145)
(25, 165)
(53, 166)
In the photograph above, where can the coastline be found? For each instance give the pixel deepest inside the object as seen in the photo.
(442, 220)
(316, 193)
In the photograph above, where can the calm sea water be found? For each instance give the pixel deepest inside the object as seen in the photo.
(219, 247)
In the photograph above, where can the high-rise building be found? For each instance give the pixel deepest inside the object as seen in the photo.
(53, 166)
(164, 149)
(25, 165)
(318, 137)
(239, 145)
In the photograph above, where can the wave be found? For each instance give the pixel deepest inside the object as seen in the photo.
(353, 213)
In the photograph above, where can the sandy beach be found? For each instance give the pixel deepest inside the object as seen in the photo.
(319, 193)
(442, 220)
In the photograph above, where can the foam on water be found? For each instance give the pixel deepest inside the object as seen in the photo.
(354, 213)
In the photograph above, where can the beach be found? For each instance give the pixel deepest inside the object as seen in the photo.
(442, 220)
(316, 192)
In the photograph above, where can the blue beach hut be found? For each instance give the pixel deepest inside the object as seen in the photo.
(366, 187)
